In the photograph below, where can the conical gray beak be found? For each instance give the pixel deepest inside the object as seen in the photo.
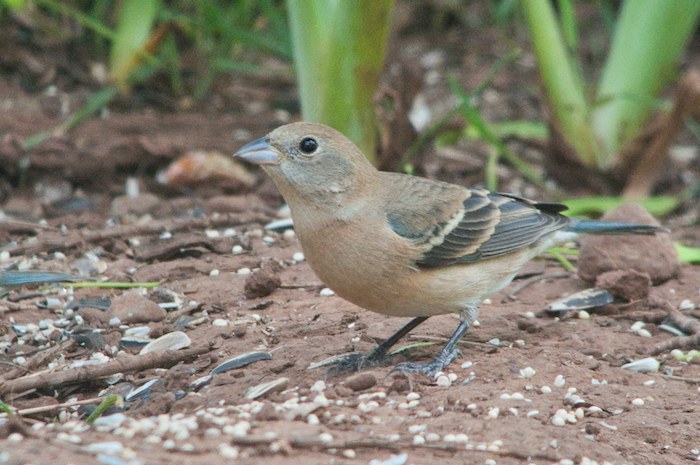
(260, 152)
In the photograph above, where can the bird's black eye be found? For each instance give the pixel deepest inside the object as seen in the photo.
(308, 145)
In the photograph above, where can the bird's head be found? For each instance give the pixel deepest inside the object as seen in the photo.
(309, 160)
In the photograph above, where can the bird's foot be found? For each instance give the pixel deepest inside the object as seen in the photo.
(429, 368)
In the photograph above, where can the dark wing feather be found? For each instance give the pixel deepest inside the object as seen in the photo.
(485, 226)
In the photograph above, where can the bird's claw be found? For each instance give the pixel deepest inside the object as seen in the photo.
(429, 369)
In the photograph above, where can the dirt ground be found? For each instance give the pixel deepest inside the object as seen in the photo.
(237, 288)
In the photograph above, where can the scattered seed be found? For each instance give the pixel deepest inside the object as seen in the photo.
(236, 249)
(644, 333)
(227, 451)
(412, 396)
(349, 453)
(312, 419)
(413, 429)
(677, 354)
(517, 396)
(325, 292)
(650, 382)
(559, 381)
(527, 372)
(638, 402)
(637, 326)
(558, 421)
(645, 365)
(298, 257)
(432, 437)
(15, 437)
(443, 381)
(584, 315)
(532, 413)
(418, 440)
(493, 413)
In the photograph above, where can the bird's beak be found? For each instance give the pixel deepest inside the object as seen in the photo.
(260, 152)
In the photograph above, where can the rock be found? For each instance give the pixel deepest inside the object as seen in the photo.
(361, 381)
(132, 307)
(261, 284)
(651, 254)
(158, 403)
(626, 284)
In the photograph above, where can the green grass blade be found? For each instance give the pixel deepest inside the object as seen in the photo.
(595, 206)
(136, 19)
(649, 37)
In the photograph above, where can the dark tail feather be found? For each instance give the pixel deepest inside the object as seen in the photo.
(605, 227)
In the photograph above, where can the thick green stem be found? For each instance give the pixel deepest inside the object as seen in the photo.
(562, 83)
(338, 55)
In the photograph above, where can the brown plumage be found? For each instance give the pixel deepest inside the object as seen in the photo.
(402, 245)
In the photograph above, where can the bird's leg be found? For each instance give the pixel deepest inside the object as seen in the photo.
(354, 362)
(448, 353)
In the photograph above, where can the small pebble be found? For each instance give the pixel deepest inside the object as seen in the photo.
(288, 235)
(219, 322)
(236, 249)
(584, 315)
(15, 437)
(212, 233)
(677, 354)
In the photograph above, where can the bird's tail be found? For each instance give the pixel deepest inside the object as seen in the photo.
(605, 227)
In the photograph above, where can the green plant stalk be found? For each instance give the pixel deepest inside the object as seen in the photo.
(134, 27)
(564, 262)
(338, 49)
(109, 400)
(562, 82)
(649, 37)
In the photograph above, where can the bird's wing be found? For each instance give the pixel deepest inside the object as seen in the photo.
(456, 225)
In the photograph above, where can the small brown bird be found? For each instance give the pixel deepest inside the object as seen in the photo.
(402, 245)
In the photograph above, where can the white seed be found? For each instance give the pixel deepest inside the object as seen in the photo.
(492, 448)
(298, 257)
(413, 403)
(545, 389)
(325, 292)
(450, 438)
(219, 322)
(579, 413)
(325, 437)
(644, 333)
(532, 413)
(452, 377)
(489, 462)
(461, 438)
(677, 354)
(443, 381)
(514, 411)
(236, 249)
(471, 406)
(414, 429)
(593, 408)
(228, 451)
(214, 272)
(650, 382)
(558, 421)
(15, 437)
(566, 462)
(493, 413)
(687, 304)
(412, 396)
(645, 365)
(319, 386)
(584, 315)
(432, 437)
(466, 365)
(559, 381)
(244, 271)
(637, 326)
(312, 419)
(505, 396)
(638, 402)
(517, 396)
(418, 440)
(349, 453)
(169, 444)
(527, 372)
